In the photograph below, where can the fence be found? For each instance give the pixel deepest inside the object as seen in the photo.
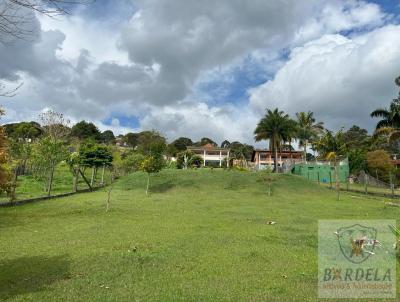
(363, 183)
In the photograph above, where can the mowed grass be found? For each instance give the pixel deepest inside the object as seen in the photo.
(30, 186)
(202, 235)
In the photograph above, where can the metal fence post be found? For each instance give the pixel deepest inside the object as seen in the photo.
(330, 178)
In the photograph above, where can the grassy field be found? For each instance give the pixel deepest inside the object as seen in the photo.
(29, 186)
(201, 235)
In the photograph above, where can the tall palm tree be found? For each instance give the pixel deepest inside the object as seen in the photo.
(332, 147)
(390, 118)
(308, 129)
(276, 127)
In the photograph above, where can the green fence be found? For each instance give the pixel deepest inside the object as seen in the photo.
(323, 173)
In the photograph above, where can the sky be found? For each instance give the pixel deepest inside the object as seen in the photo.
(206, 68)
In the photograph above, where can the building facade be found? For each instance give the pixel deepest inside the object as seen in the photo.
(264, 159)
(212, 156)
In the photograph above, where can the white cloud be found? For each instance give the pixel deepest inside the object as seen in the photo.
(148, 67)
(341, 79)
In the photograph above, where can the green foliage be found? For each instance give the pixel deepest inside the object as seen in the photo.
(182, 143)
(241, 151)
(132, 162)
(152, 164)
(277, 127)
(151, 143)
(85, 130)
(46, 154)
(204, 141)
(379, 164)
(308, 130)
(95, 155)
(357, 160)
(23, 130)
(131, 139)
(107, 137)
(188, 159)
(189, 231)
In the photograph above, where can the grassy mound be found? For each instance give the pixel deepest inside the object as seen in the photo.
(201, 235)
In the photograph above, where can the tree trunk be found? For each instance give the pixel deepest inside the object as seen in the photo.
(108, 198)
(75, 179)
(102, 174)
(148, 183)
(275, 159)
(337, 179)
(305, 151)
(85, 179)
(93, 175)
(50, 181)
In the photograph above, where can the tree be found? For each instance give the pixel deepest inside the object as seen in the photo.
(107, 137)
(151, 143)
(276, 127)
(188, 159)
(390, 118)
(379, 164)
(85, 130)
(308, 129)
(16, 16)
(225, 144)
(55, 125)
(94, 155)
(17, 19)
(47, 154)
(5, 177)
(182, 143)
(51, 150)
(131, 139)
(23, 130)
(152, 164)
(205, 141)
(20, 151)
(331, 146)
(241, 152)
(356, 138)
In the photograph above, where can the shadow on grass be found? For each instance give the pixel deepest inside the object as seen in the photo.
(30, 274)
(162, 187)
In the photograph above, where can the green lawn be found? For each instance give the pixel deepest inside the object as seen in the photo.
(30, 186)
(200, 236)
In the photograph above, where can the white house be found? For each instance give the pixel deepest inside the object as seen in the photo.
(211, 154)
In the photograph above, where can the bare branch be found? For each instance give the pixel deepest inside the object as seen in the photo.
(9, 93)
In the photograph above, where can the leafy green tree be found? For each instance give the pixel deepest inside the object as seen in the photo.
(94, 155)
(308, 129)
(225, 144)
(132, 162)
(331, 146)
(23, 130)
(50, 150)
(47, 154)
(379, 164)
(20, 151)
(205, 141)
(187, 159)
(85, 130)
(152, 164)
(276, 127)
(241, 152)
(151, 143)
(5, 177)
(182, 143)
(390, 118)
(107, 137)
(131, 139)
